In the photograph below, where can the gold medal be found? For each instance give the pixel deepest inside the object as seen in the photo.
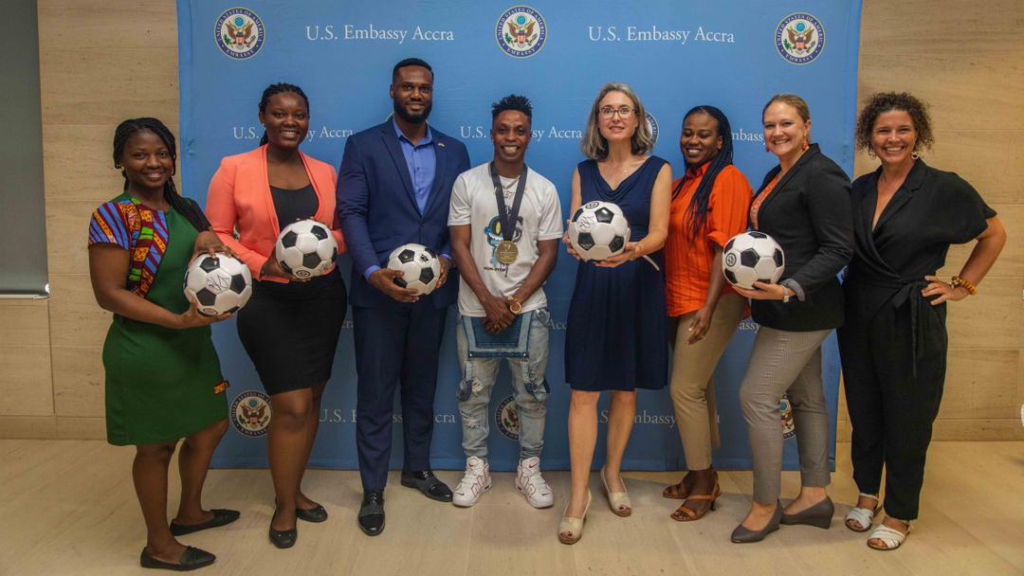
(507, 252)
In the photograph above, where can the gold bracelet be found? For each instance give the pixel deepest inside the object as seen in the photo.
(967, 284)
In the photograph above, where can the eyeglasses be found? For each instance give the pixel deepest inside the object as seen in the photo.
(623, 112)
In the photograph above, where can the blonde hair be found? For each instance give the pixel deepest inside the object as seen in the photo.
(595, 146)
(798, 103)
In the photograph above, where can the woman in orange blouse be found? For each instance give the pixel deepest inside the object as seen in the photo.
(291, 325)
(709, 206)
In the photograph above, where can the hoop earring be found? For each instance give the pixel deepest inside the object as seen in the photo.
(806, 145)
(915, 155)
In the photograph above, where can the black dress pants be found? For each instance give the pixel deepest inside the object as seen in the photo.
(894, 368)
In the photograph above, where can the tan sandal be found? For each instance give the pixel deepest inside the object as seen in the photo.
(678, 491)
(684, 514)
(570, 529)
(619, 502)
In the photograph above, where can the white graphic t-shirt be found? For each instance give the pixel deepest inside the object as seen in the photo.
(540, 218)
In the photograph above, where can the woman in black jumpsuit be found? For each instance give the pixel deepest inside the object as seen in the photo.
(893, 344)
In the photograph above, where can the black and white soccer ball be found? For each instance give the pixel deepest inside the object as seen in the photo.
(219, 284)
(598, 230)
(419, 265)
(751, 257)
(306, 249)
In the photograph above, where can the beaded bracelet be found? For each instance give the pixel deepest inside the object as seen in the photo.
(967, 284)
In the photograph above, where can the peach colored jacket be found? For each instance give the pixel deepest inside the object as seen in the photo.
(239, 199)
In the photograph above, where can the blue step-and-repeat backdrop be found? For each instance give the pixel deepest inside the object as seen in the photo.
(733, 55)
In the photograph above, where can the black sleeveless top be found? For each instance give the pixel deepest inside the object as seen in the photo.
(294, 205)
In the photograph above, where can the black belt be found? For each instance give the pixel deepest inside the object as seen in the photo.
(920, 308)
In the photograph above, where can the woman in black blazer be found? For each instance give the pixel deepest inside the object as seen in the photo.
(804, 204)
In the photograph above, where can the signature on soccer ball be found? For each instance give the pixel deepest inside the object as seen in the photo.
(585, 222)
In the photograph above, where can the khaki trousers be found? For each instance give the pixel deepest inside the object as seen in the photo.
(693, 386)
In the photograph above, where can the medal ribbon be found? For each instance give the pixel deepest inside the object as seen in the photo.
(508, 216)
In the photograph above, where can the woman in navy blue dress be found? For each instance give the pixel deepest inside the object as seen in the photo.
(617, 335)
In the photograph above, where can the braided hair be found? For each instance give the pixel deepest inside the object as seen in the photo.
(125, 130)
(274, 90)
(698, 209)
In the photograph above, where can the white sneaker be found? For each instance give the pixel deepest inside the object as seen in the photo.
(473, 485)
(532, 484)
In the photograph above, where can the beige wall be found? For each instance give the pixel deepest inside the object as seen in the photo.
(105, 60)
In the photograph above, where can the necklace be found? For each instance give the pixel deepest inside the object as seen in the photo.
(621, 169)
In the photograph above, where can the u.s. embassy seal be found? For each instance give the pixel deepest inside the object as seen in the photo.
(250, 413)
(506, 418)
(652, 123)
(239, 33)
(800, 38)
(521, 32)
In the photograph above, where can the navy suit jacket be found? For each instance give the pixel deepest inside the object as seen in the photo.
(378, 211)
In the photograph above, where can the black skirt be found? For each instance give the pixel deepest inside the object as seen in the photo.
(290, 331)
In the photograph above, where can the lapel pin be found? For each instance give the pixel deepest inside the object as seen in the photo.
(440, 144)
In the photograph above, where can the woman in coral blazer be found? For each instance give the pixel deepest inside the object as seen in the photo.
(290, 327)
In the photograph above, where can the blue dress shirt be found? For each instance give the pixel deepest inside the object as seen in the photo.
(422, 162)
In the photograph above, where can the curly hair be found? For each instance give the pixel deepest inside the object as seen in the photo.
(883, 102)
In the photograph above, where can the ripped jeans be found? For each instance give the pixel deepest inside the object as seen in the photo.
(529, 387)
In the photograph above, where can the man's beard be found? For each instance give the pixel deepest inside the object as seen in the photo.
(420, 118)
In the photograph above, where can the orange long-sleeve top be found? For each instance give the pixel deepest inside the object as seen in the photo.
(688, 263)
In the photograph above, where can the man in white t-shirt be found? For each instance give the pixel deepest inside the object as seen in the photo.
(505, 252)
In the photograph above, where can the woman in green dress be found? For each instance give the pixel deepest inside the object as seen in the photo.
(163, 378)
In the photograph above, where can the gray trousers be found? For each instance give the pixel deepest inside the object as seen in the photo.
(790, 363)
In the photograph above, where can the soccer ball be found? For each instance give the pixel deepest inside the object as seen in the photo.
(750, 257)
(220, 284)
(420, 267)
(306, 249)
(598, 230)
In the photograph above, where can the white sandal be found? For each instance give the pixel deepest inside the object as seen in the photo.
(891, 538)
(570, 529)
(864, 517)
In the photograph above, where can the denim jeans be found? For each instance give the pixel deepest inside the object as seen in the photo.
(529, 387)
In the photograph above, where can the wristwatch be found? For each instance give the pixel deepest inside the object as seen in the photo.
(514, 305)
(785, 295)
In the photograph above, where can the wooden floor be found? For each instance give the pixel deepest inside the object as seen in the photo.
(67, 507)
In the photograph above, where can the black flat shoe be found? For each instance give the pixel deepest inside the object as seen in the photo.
(428, 484)
(371, 513)
(221, 517)
(282, 538)
(191, 559)
(819, 515)
(316, 514)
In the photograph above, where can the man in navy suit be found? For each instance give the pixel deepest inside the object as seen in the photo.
(394, 188)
